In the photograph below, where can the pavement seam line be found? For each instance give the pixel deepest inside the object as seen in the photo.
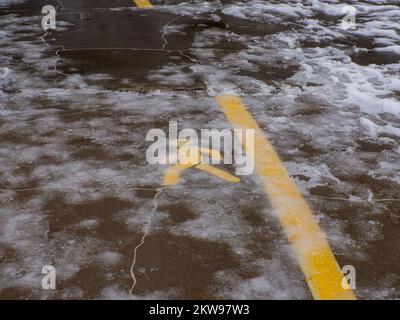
(317, 262)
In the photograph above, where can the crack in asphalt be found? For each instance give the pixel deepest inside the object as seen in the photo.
(165, 30)
(145, 234)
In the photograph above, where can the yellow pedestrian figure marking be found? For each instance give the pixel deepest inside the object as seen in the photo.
(315, 257)
(143, 3)
(192, 157)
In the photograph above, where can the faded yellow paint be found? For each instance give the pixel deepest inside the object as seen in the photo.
(172, 175)
(194, 160)
(143, 3)
(317, 262)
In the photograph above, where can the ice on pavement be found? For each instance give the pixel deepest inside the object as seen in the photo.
(4, 3)
(326, 97)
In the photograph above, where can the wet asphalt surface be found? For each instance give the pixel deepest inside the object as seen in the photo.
(78, 193)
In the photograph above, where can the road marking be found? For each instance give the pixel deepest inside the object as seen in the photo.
(315, 257)
(173, 173)
(143, 3)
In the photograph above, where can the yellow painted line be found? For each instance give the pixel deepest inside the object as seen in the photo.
(317, 262)
(218, 172)
(173, 174)
(143, 3)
